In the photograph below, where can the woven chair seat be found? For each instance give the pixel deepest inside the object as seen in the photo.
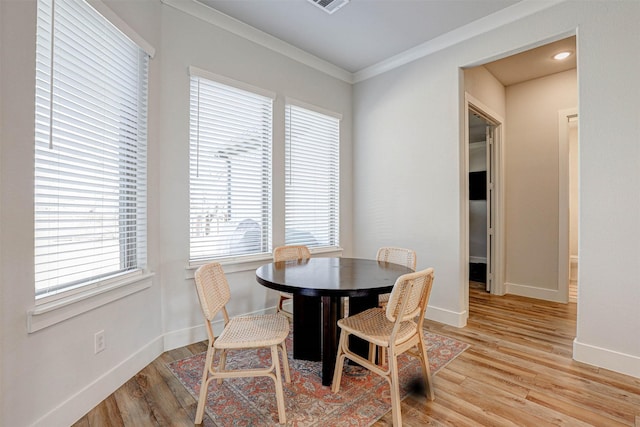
(373, 325)
(253, 331)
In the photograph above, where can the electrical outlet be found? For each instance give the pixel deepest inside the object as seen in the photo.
(99, 342)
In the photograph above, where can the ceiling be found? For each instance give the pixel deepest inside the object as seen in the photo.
(364, 33)
(534, 63)
(361, 33)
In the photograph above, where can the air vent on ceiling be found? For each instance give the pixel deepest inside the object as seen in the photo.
(329, 6)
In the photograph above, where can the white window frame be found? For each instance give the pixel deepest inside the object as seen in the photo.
(61, 302)
(312, 151)
(227, 116)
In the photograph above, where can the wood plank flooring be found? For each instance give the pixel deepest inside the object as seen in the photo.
(517, 372)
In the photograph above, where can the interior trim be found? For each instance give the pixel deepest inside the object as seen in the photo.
(535, 292)
(251, 262)
(48, 314)
(473, 29)
(627, 364)
(219, 19)
(447, 317)
(120, 24)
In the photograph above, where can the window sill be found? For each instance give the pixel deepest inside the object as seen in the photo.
(238, 264)
(50, 313)
(231, 265)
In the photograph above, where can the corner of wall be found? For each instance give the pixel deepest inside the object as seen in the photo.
(448, 317)
(604, 358)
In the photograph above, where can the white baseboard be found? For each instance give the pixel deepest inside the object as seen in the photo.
(183, 337)
(534, 292)
(477, 260)
(601, 357)
(448, 317)
(77, 405)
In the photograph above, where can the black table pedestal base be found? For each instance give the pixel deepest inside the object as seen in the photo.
(315, 317)
(318, 286)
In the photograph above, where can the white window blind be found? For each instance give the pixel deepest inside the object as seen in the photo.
(90, 149)
(312, 177)
(230, 170)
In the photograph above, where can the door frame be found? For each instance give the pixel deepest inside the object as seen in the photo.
(564, 255)
(498, 258)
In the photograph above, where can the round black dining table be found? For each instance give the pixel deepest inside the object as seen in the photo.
(318, 286)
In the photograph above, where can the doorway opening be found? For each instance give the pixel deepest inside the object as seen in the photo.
(483, 160)
(531, 88)
(573, 208)
(479, 209)
(568, 203)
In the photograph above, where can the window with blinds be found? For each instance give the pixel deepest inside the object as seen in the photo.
(90, 150)
(230, 168)
(312, 177)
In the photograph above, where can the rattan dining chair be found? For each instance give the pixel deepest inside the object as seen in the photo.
(289, 253)
(397, 328)
(393, 255)
(246, 332)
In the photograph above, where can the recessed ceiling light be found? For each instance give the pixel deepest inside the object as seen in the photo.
(561, 55)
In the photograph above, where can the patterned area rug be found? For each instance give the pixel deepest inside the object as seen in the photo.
(363, 397)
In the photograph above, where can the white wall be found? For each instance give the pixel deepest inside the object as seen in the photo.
(52, 377)
(609, 242)
(41, 371)
(532, 177)
(407, 172)
(483, 86)
(408, 195)
(412, 193)
(218, 51)
(3, 36)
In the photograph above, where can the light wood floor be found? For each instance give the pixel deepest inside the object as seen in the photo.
(517, 372)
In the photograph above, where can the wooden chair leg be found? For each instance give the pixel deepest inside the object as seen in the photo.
(285, 362)
(382, 356)
(282, 416)
(222, 363)
(280, 308)
(396, 414)
(372, 352)
(204, 385)
(426, 369)
(337, 373)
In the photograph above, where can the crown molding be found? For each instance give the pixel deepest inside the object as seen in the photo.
(232, 25)
(121, 25)
(490, 22)
(495, 20)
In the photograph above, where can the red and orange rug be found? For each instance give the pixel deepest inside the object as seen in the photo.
(362, 399)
